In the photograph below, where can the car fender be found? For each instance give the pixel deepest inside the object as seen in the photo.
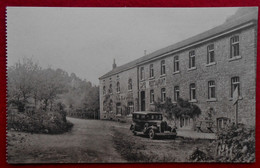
(132, 126)
(156, 129)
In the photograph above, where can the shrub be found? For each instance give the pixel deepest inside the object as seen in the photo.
(200, 156)
(39, 122)
(239, 144)
(233, 144)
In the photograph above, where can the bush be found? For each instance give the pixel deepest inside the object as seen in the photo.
(40, 122)
(233, 144)
(239, 142)
(200, 156)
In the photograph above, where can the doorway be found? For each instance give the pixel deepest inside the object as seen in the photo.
(142, 100)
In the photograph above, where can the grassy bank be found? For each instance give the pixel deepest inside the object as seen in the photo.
(142, 149)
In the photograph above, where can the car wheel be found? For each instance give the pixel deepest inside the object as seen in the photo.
(151, 134)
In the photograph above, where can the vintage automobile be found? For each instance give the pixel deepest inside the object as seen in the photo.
(151, 124)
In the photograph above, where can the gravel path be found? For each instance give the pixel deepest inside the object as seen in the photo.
(89, 141)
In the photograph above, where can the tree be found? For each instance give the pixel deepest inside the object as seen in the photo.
(29, 83)
(51, 85)
(183, 108)
(21, 79)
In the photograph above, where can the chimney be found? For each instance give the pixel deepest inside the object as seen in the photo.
(144, 52)
(114, 64)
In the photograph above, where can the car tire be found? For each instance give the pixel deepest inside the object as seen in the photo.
(151, 134)
(132, 128)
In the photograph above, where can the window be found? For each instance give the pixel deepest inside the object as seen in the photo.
(234, 46)
(192, 91)
(176, 93)
(130, 107)
(162, 67)
(110, 89)
(118, 87)
(211, 54)
(154, 117)
(192, 59)
(142, 73)
(130, 85)
(142, 116)
(151, 96)
(211, 90)
(151, 71)
(176, 64)
(163, 94)
(104, 90)
(235, 84)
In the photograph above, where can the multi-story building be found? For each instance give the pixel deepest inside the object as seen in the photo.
(205, 69)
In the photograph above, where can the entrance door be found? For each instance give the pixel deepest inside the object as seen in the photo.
(142, 100)
(222, 122)
(185, 122)
(118, 109)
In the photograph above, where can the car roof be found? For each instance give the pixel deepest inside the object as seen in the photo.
(146, 112)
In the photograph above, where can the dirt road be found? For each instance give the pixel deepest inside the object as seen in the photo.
(89, 141)
(97, 141)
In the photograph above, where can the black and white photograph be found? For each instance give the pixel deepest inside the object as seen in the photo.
(131, 85)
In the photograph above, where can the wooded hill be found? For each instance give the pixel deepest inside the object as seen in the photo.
(30, 85)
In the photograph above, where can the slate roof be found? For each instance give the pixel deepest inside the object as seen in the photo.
(229, 25)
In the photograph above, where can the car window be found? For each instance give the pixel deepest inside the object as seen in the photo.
(137, 116)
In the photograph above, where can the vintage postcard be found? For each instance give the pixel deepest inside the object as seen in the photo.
(131, 85)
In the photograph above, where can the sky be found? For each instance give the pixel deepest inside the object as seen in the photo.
(85, 41)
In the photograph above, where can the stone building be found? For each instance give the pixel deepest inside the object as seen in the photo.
(205, 69)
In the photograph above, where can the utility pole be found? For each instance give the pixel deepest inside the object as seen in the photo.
(235, 102)
(236, 113)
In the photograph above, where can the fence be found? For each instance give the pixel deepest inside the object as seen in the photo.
(85, 114)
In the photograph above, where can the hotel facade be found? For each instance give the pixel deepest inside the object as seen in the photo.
(205, 69)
